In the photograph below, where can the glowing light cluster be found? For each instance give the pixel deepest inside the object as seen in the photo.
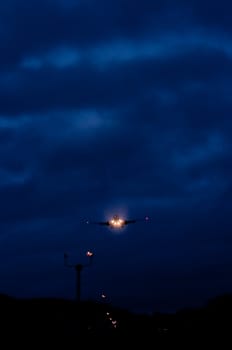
(114, 323)
(117, 222)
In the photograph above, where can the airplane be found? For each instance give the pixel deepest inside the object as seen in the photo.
(117, 222)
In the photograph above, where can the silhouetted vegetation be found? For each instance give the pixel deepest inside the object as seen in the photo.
(35, 320)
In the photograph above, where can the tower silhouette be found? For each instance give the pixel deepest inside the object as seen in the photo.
(78, 269)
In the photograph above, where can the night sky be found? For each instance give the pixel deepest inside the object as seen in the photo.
(116, 107)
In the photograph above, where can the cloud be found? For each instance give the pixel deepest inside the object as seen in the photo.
(50, 24)
(116, 106)
(87, 86)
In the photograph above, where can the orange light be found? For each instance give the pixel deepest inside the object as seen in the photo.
(117, 222)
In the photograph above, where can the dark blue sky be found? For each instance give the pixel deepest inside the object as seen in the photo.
(111, 107)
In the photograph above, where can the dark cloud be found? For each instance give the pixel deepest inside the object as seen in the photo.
(45, 24)
(116, 107)
(86, 86)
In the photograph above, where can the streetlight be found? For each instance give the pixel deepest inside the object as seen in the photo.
(78, 268)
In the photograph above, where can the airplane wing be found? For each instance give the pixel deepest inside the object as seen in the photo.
(146, 218)
(105, 223)
(130, 222)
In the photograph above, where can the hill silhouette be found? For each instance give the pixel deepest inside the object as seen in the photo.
(57, 320)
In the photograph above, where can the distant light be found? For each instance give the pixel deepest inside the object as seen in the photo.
(103, 296)
(88, 253)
